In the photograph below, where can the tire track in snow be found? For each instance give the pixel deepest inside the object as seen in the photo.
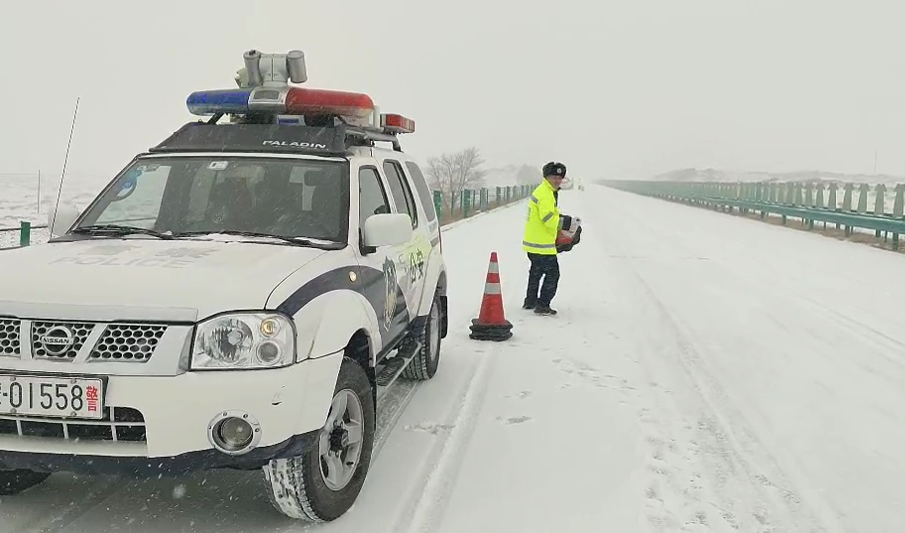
(430, 497)
(734, 452)
(677, 496)
(57, 520)
(392, 408)
(792, 292)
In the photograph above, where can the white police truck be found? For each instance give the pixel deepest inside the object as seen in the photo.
(240, 296)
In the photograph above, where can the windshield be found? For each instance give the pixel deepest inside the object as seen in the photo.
(274, 196)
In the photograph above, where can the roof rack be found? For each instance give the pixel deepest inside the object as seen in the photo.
(335, 139)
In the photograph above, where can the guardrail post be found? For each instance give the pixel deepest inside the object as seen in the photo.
(863, 192)
(438, 204)
(848, 196)
(24, 233)
(898, 208)
(880, 205)
(833, 201)
(897, 211)
(818, 202)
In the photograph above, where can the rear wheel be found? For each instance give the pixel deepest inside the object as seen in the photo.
(322, 484)
(16, 481)
(426, 361)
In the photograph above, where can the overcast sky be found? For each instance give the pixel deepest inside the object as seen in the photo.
(612, 89)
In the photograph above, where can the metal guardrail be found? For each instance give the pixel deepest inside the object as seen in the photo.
(471, 202)
(804, 201)
(24, 230)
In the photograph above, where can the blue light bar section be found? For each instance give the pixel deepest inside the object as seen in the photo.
(218, 101)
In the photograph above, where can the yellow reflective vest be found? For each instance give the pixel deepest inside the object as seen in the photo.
(542, 224)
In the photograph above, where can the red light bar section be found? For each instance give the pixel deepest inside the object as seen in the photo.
(303, 101)
(397, 123)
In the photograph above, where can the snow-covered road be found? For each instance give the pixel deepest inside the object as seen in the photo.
(706, 373)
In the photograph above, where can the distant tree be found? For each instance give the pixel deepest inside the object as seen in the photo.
(527, 175)
(453, 173)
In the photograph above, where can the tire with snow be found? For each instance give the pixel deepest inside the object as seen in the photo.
(16, 481)
(426, 361)
(322, 484)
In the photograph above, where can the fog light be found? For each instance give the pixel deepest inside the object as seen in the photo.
(234, 432)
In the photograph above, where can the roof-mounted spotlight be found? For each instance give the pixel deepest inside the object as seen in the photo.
(272, 70)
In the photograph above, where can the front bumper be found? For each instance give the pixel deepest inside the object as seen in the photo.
(160, 424)
(178, 465)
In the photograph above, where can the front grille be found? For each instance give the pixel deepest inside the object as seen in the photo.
(59, 340)
(120, 424)
(64, 340)
(128, 342)
(9, 336)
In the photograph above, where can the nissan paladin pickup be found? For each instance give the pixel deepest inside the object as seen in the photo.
(240, 296)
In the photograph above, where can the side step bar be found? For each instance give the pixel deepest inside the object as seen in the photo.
(390, 370)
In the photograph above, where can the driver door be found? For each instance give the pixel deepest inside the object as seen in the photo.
(380, 268)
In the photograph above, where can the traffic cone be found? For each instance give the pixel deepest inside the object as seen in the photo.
(491, 324)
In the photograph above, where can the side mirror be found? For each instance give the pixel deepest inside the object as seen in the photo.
(65, 217)
(387, 230)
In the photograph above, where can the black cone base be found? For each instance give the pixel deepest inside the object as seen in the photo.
(490, 332)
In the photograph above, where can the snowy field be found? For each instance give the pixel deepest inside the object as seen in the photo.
(19, 196)
(705, 373)
(19, 201)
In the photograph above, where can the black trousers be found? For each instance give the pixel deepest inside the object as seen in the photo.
(546, 267)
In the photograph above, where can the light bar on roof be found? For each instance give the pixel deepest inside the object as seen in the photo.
(392, 123)
(282, 101)
(218, 101)
(304, 101)
(264, 89)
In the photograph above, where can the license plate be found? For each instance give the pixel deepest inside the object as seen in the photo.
(51, 396)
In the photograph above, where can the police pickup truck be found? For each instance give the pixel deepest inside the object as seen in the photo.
(240, 296)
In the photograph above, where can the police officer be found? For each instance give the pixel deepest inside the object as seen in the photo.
(541, 229)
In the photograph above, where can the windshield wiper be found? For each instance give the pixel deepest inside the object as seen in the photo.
(117, 229)
(297, 241)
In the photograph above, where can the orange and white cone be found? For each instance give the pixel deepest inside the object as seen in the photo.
(491, 324)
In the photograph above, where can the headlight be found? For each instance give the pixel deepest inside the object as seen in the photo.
(242, 341)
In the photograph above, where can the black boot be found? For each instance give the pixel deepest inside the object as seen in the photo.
(529, 305)
(541, 309)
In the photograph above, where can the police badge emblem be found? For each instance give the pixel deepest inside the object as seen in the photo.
(390, 280)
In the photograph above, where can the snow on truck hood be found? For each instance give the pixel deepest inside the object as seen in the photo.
(198, 277)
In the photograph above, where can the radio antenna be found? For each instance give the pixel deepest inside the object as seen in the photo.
(65, 162)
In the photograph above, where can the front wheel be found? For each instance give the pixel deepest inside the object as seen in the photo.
(426, 361)
(16, 481)
(322, 484)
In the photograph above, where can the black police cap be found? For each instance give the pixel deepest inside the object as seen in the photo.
(554, 168)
